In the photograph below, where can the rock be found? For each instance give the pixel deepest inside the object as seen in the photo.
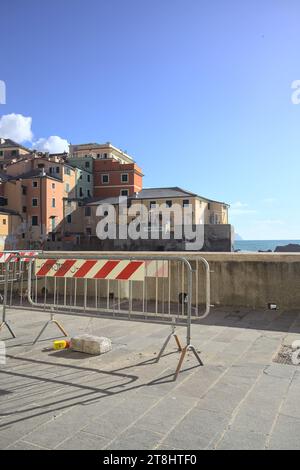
(90, 344)
(290, 248)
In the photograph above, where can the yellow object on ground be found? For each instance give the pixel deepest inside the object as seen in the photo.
(60, 344)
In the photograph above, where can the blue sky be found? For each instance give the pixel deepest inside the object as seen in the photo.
(199, 92)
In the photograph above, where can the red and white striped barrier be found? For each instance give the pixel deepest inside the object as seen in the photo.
(14, 256)
(101, 269)
(159, 268)
(122, 270)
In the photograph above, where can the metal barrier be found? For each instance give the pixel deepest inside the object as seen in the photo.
(154, 289)
(145, 288)
(13, 276)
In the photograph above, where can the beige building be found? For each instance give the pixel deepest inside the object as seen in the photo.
(202, 210)
(100, 151)
(10, 150)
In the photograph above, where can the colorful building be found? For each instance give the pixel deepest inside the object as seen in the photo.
(50, 200)
(115, 172)
(10, 150)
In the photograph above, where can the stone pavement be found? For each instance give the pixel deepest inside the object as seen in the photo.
(239, 399)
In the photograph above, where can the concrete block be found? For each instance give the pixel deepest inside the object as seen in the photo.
(90, 344)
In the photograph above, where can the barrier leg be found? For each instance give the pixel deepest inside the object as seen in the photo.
(172, 334)
(56, 322)
(187, 348)
(4, 323)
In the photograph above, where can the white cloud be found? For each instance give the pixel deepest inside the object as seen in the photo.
(53, 144)
(16, 127)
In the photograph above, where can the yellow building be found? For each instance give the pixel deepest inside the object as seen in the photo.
(10, 237)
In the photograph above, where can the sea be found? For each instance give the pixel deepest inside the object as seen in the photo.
(264, 245)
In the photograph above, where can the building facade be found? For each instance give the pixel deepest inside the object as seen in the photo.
(51, 200)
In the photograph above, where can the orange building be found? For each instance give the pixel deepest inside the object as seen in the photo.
(115, 172)
(37, 197)
(112, 178)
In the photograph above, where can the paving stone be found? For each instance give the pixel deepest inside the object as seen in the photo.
(136, 438)
(23, 445)
(242, 440)
(114, 422)
(286, 434)
(83, 441)
(196, 430)
(166, 413)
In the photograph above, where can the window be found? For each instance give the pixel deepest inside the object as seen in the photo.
(24, 190)
(34, 202)
(87, 164)
(80, 192)
(53, 185)
(208, 206)
(57, 169)
(53, 202)
(80, 177)
(3, 201)
(34, 220)
(4, 221)
(88, 178)
(152, 204)
(105, 179)
(124, 192)
(169, 203)
(87, 211)
(1, 153)
(68, 172)
(124, 177)
(104, 155)
(53, 224)
(88, 193)
(185, 202)
(41, 165)
(14, 153)
(23, 235)
(69, 219)
(67, 187)
(88, 231)
(34, 184)
(24, 209)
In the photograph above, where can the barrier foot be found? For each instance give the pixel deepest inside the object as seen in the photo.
(187, 348)
(175, 336)
(56, 322)
(4, 323)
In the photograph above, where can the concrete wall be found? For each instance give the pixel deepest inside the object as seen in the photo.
(217, 237)
(247, 280)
